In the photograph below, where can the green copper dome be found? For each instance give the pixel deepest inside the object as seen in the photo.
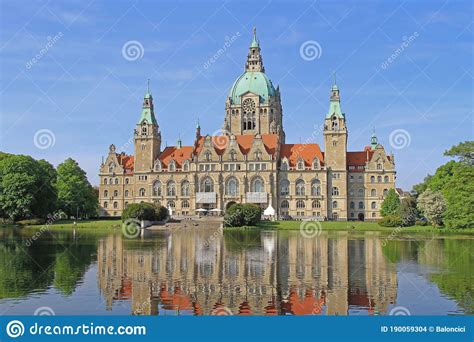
(252, 81)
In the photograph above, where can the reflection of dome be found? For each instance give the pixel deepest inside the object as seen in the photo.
(252, 81)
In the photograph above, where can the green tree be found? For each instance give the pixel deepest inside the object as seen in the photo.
(432, 205)
(459, 195)
(140, 211)
(26, 187)
(75, 193)
(408, 211)
(391, 204)
(463, 151)
(242, 215)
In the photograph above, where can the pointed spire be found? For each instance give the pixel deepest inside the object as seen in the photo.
(334, 87)
(373, 140)
(255, 43)
(335, 101)
(148, 111)
(179, 143)
(254, 58)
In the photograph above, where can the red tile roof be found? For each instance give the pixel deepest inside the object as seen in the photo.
(306, 151)
(245, 142)
(179, 155)
(126, 161)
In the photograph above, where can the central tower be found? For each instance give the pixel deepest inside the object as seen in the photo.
(253, 105)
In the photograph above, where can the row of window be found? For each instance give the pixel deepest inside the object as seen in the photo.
(170, 204)
(115, 181)
(300, 165)
(316, 204)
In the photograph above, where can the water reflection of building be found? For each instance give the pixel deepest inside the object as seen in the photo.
(204, 272)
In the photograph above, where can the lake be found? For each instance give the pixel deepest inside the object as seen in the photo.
(196, 271)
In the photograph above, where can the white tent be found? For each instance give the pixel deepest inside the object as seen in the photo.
(215, 210)
(269, 211)
(170, 211)
(201, 210)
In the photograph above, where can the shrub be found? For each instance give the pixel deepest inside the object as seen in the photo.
(140, 211)
(239, 215)
(160, 212)
(390, 221)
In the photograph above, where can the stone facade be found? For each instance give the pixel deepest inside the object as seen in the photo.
(250, 162)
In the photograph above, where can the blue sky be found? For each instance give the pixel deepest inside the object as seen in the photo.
(404, 68)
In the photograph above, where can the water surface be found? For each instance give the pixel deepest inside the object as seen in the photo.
(196, 271)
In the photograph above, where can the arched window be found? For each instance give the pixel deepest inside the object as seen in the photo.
(257, 185)
(126, 193)
(158, 166)
(126, 204)
(115, 193)
(106, 193)
(106, 204)
(185, 188)
(233, 155)
(361, 205)
(111, 167)
(284, 204)
(300, 164)
(284, 166)
(316, 164)
(335, 191)
(157, 188)
(374, 214)
(361, 192)
(284, 187)
(352, 205)
(334, 124)
(186, 165)
(141, 192)
(115, 205)
(171, 188)
(144, 129)
(385, 179)
(373, 192)
(334, 204)
(315, 187)
(185, 204)
(316, 204)
(105, 180)
(300, 204)
(172, 166)
(207, 185)
(372, 179)
(299, 186)
(171, 204)
(385, 192)
(232, 187)
(127, 180)
(379, 179)
(373, 205)
(116, 180)
(208, 156)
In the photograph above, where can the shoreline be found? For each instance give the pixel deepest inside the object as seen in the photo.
(349, 226)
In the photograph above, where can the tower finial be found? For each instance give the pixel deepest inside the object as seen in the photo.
(255, 43)
(334, 75)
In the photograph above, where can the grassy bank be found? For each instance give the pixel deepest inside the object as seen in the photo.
(83, 224)
(359, 226)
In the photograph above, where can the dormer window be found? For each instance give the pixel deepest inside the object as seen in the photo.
(284, 165)
(316, 164)
(172, 166)
(208, 156)
(300, 165)
(232, 155)
(186, 165)
(158, 166)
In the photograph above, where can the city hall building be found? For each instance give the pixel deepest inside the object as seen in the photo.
(250, 162)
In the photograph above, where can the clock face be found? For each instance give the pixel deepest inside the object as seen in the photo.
(248, 105)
